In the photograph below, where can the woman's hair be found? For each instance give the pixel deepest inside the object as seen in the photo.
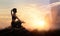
(14, 10)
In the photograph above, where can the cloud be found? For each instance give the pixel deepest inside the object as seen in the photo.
(55, 12)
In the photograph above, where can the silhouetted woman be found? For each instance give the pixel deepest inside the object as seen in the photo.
(15, 23)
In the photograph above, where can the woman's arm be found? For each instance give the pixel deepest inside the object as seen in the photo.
(11, 12)
(20, 20)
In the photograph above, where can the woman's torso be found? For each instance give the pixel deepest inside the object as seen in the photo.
(13, 16)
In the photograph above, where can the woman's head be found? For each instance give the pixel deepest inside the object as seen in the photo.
(14, 10)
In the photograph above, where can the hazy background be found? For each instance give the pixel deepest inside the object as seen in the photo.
(32, 8)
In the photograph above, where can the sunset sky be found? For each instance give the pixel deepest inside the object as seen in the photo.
(32, 8)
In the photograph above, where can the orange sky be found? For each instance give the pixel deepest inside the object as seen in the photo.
(31, 13)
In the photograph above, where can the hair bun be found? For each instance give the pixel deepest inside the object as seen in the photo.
(14, 10)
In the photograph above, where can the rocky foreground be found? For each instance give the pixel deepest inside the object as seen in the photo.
(23, 32)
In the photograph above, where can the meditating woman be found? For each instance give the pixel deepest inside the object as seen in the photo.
(15, 23)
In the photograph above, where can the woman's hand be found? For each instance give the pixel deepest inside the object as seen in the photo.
(22, 21)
